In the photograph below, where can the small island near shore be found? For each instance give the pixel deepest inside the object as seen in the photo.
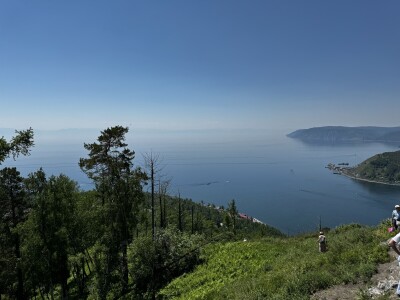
(382, 168)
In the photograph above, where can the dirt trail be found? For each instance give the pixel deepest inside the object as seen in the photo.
(381, 284)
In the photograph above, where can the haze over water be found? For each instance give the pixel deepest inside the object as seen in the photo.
(190, 77)
(280, 181)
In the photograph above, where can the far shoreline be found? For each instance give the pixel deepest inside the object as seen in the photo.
(369, 180)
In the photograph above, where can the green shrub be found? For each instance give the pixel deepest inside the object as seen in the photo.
(153, 264)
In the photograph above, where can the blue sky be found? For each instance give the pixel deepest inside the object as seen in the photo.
(208, 64)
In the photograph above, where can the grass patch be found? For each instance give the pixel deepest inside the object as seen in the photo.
(283, 268)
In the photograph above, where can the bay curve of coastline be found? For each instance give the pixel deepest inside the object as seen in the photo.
(369, 180)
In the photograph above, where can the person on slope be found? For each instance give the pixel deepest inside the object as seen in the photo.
(394, 244)
(322, 242)
(396, 216)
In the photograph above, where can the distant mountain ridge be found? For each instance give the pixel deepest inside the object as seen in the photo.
(348, 134)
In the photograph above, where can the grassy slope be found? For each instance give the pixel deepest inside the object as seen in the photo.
(283, 268)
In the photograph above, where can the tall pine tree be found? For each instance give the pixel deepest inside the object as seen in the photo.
(119, 187)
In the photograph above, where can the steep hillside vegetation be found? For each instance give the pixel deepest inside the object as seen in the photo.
(283, 268)
(384, 167)
(113, 242)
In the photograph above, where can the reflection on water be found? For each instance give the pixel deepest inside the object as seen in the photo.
(339, 143)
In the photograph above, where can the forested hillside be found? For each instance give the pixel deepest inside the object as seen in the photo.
(113, 242)
(384, 167)
(118, 242)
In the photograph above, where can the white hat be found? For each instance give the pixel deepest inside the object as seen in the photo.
(397, 206)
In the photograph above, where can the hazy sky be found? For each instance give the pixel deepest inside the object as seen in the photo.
(205, 64)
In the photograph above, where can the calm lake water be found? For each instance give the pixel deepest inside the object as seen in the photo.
(280, 181)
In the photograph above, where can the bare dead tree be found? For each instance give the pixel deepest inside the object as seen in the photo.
(163, 186)
(151, 162)
(154, 167)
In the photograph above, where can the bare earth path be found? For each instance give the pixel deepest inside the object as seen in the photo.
(381, 284)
